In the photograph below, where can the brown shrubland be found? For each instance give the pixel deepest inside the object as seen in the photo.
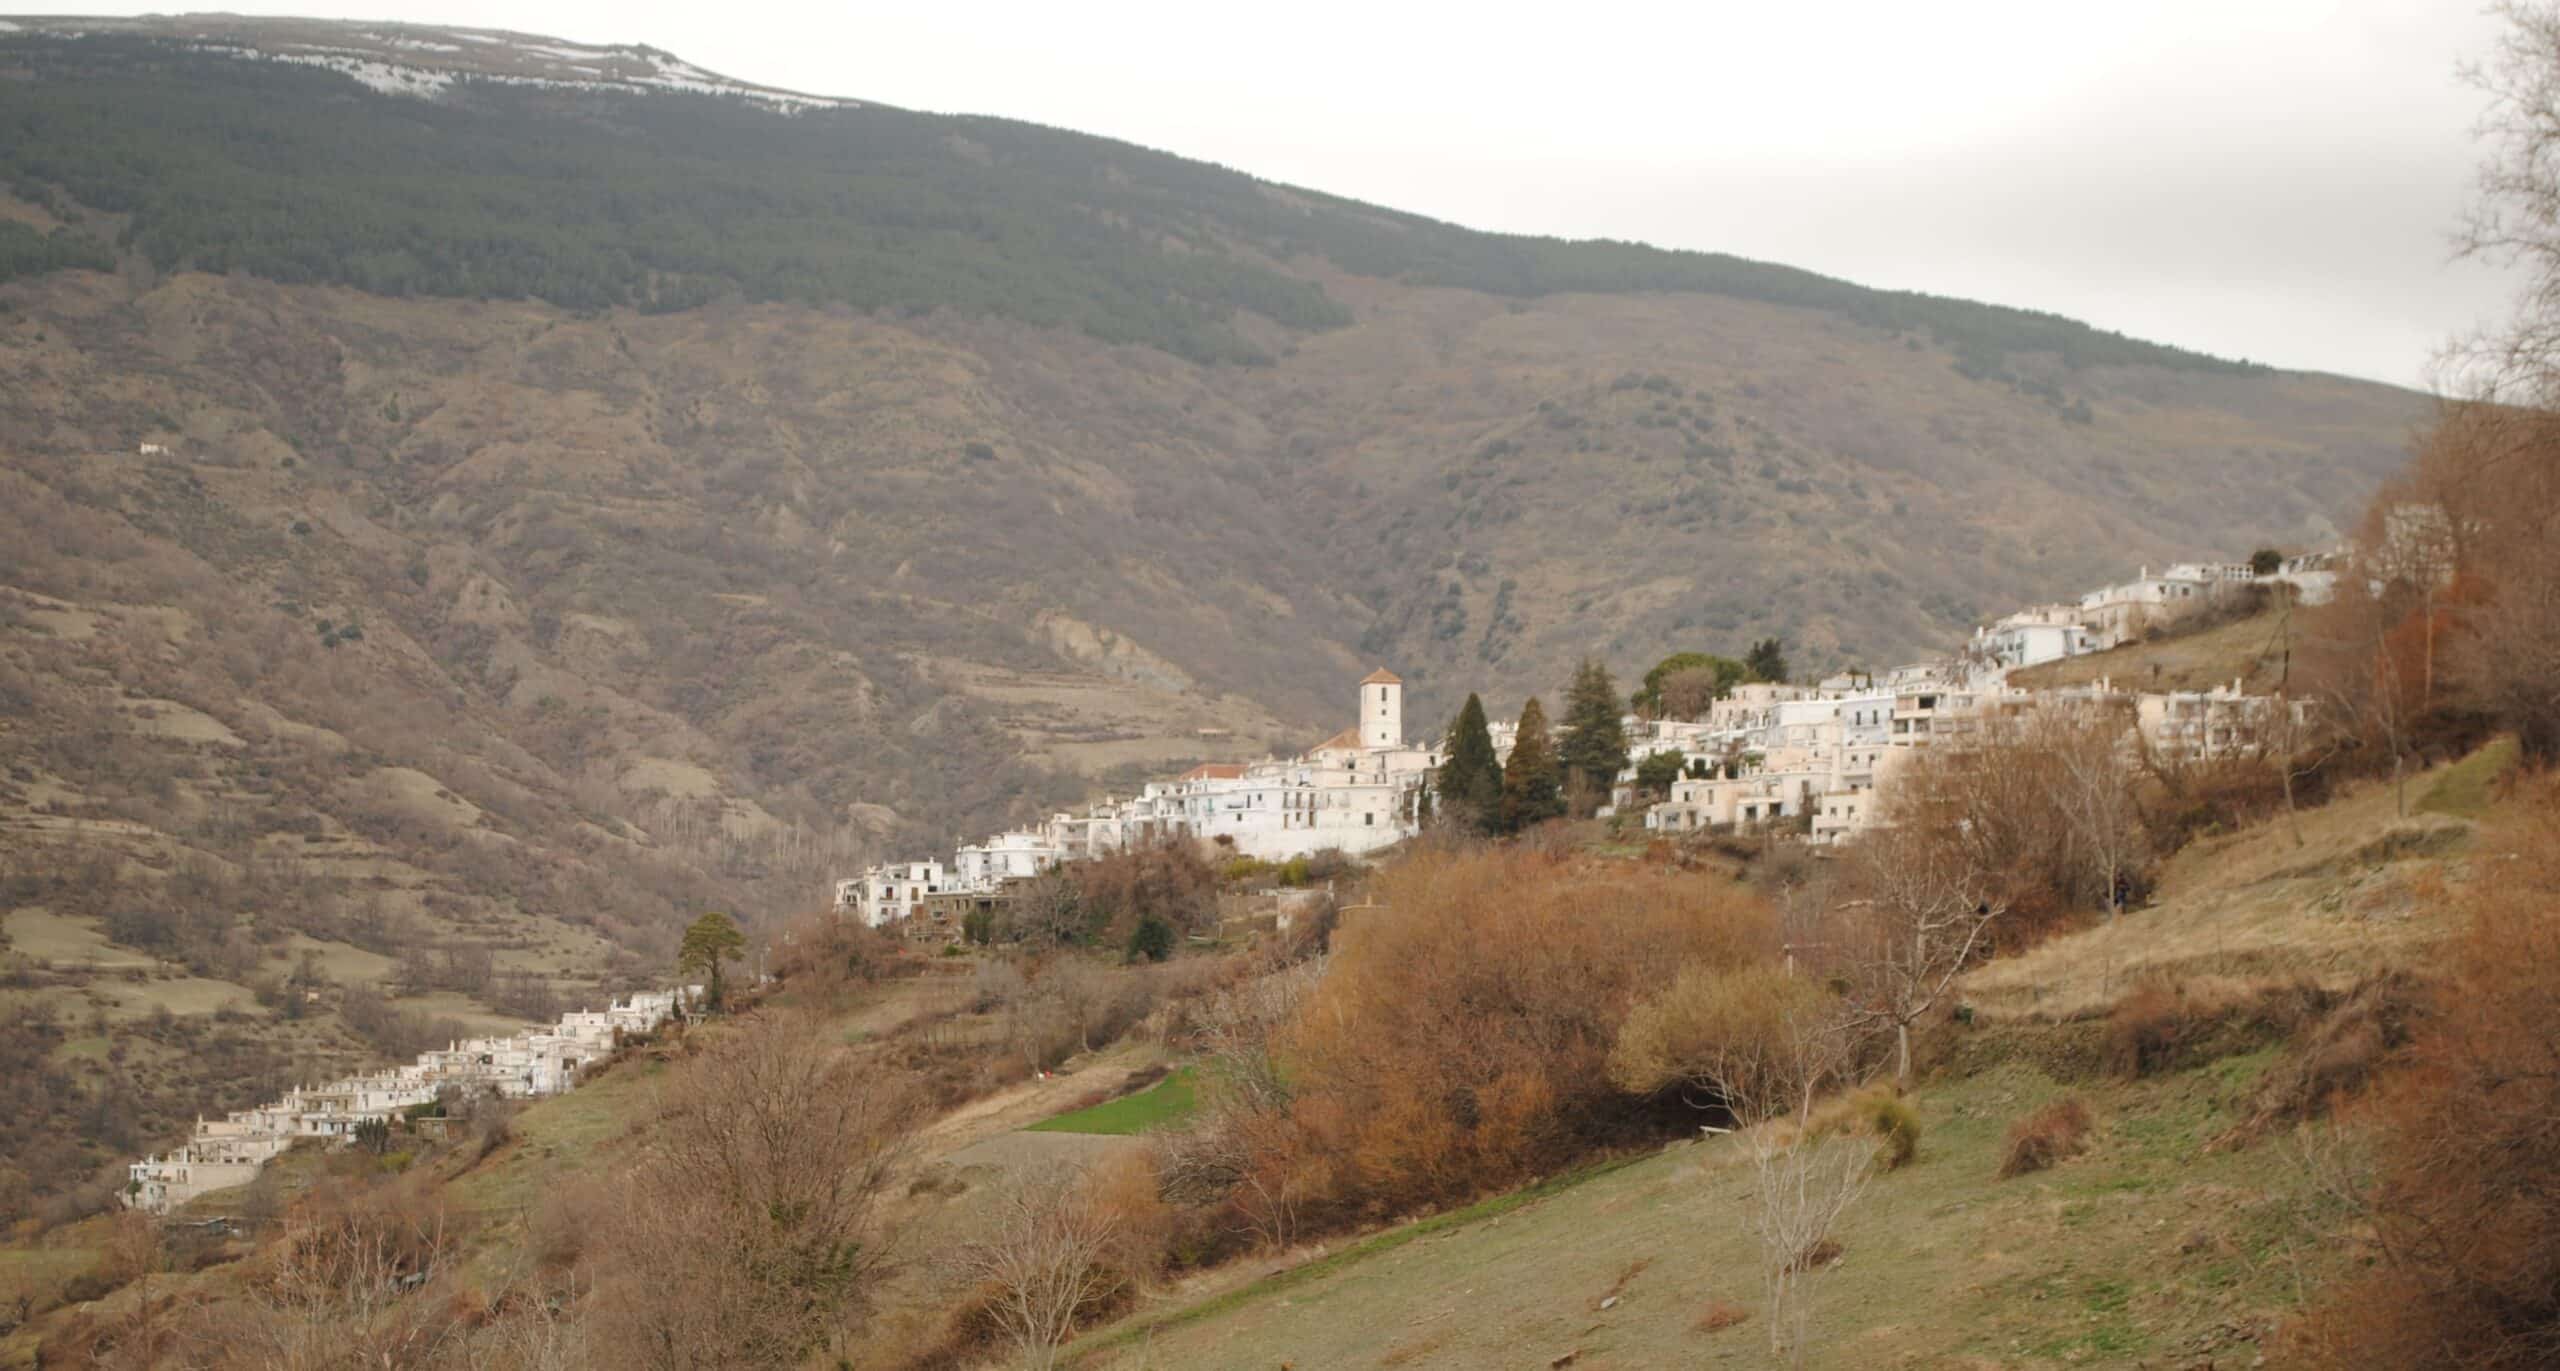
(750, 1233)
(1460, 1037)
(1456, 1039)
(2465, 1208)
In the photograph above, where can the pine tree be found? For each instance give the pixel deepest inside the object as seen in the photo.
(1532, 781)
(1469, 786)
(711, 940)
(1594, 747)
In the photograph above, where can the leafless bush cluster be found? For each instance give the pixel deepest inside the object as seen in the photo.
(751, 1236)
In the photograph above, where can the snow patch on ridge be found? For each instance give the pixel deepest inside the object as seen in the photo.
(381, 76)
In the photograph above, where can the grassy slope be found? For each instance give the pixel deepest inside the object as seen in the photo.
(2249, 650)
(1165, 1103)
(2346, 892)
(2150, 1246)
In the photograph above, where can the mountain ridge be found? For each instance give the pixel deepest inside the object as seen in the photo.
(1216, 239)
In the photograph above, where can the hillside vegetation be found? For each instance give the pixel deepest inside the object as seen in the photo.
(670, 201)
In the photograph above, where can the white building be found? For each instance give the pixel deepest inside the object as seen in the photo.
(1017, 855)
(893, 890)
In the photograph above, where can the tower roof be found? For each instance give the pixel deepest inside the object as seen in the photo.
(1348, 740)
(1382, 676)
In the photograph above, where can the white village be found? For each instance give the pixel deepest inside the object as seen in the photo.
(536, 1062)
(1766, 753)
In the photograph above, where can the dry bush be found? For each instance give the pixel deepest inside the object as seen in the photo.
(751, 1236)
(2036, 814)
(2161, 1025)
(561, 1228)
(1239, 1169)
(357, 1278)
(1718, 1316)
(1708, 1021)
(2057, 1131)
(2466, 1206)
(2337, 1056)
(1051, 1260)
(824, 956)
(2145, 1028)
(1879, 1111)
(1459, 1039)
(1169, 881)
(1125, 1192)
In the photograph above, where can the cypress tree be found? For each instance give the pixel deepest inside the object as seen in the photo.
(1532, 781)
(1594, 746)
(1468, 787)
(1767, 661)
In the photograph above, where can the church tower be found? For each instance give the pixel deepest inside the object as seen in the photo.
(1382, 710)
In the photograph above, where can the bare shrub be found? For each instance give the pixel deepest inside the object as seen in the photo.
(1710, 1020)
(1169, 881)
(825, 957)
(1045, 1262)
(1718, 1316)
(1931, 898)
(1804, 1181)
(2337, 1056)
(1239, 1164)
(751, 1238)
(2465, 1209)
(343, 1285)
(2046, 1136)
(2145, 1028)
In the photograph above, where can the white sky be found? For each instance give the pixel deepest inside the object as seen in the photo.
(2272, 179)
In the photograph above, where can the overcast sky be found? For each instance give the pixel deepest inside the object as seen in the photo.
(2271, 179)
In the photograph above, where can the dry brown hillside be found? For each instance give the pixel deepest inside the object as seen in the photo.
(510, 619)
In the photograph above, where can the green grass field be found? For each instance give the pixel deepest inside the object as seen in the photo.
(1167, 1102)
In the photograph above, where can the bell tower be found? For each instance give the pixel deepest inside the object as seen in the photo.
(1382, 709)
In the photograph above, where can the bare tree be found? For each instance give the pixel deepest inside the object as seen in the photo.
(1801, 1185)
(1046, 910)
(2095, 796)
(1085, 995)
(1689, 692)
(752, 1237)
(1929, 907)
(339, 1289)
(1043, 1263)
